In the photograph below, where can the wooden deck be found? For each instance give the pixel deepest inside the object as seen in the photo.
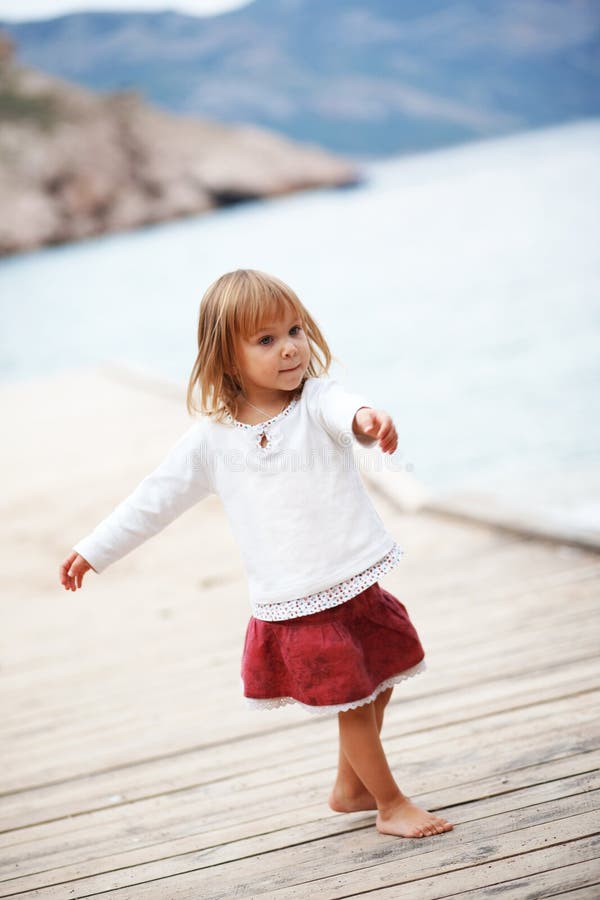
(131, 769)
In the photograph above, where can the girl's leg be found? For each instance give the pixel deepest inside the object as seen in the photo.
(396, 814)
(349, 793)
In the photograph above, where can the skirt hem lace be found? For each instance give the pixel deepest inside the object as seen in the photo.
(274, 702)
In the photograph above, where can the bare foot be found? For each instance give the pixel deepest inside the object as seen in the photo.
(405, 819)
(339, 801)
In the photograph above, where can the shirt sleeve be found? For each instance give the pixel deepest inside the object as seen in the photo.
(180, 481)
(336, 408)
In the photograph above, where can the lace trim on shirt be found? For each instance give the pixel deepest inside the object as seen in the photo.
(284, 412)
(273, 703)
(270, 431)
(333, 596)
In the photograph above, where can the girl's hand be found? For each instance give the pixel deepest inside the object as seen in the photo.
(376, 423)
(72, 571)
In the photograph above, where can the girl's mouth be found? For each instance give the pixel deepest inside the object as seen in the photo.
(295, 369)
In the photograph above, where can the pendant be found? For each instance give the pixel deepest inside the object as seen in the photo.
(268, 438)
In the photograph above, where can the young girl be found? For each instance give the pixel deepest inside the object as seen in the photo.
(274, 441)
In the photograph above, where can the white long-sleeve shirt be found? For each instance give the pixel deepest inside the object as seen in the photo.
(297, 506)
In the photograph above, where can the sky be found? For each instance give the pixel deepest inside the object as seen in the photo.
(45, 9)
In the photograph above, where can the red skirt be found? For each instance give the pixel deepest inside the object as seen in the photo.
(332, 660)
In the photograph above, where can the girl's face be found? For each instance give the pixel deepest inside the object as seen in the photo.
(276, 357)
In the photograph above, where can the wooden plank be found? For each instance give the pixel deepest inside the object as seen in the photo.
(525, 572)
(316, 750)
(402, 717)
(428, 874)
(272, 807)
(504, 677)
(136, 770)
(591, 892)
(543, 597)
(499, 610)
(491, 799)
(520, 842)
(493, 661)
(62, 694)
(553, 607)
(216, 855)
(574, 881)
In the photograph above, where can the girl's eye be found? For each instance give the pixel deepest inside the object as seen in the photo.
(267, 337)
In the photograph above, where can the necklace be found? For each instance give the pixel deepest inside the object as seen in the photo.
(264, 412)
(266, 436)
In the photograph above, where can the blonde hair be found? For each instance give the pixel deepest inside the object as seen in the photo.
(238, 304)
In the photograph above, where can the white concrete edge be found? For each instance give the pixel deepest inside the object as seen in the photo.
(409, 495)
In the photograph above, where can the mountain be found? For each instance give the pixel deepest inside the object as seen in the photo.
(362, 78)
(74, 163)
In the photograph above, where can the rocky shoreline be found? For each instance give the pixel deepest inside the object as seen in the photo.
(74, 164)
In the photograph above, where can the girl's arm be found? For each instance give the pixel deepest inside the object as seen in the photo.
(179, 482)
(348, 416)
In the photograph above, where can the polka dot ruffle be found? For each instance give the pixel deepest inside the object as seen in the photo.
(333, 596)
